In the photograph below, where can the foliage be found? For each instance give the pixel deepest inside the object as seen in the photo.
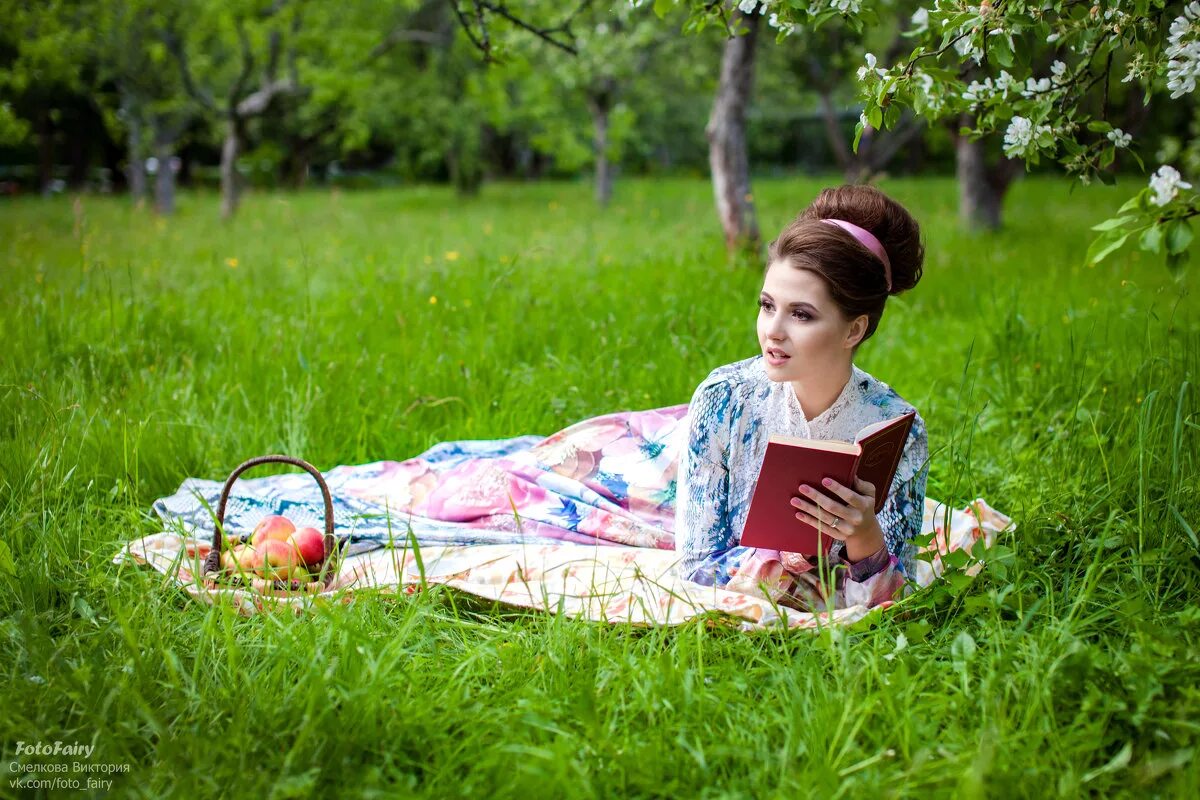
(1044, 73)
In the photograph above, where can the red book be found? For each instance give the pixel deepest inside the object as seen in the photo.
(789, 462)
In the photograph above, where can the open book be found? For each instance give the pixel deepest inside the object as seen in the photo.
(789, 462)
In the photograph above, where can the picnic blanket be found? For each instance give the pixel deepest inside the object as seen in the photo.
(578, 523)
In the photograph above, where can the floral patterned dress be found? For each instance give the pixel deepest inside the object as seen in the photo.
(610, 480)
(731, 416)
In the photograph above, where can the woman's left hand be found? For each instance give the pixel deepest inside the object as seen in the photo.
(851, 519)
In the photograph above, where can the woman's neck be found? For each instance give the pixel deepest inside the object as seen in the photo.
(818, 393)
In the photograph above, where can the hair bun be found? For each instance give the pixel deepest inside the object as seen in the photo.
(887, 220)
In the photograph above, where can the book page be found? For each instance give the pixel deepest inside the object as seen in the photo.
(831, 445)
(876, 427)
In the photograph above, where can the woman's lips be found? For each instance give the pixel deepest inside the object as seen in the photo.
(776, 357)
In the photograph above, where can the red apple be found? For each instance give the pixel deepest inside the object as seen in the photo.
(272, 527)
(311, 544)
(243, 559)
(280, 560)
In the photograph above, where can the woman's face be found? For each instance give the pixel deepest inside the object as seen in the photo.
(797, 318)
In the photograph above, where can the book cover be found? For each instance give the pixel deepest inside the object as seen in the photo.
(789, 462)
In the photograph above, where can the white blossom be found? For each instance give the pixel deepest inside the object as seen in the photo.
(1033, 87)
(920, 20)
(1137, 68)
(977, 91)
(1020, 136)
(1005, 82)
(870, 67)
(966, 47)
(847, 6)
(788, 28)
(1166, 183)
(926, 84)
(1183, 52)
(779, 24)
(1119, 137)
(1054, 37)
(1058, 72)
(748, 6)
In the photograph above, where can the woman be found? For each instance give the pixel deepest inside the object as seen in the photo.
(828, 276)
(676, 477)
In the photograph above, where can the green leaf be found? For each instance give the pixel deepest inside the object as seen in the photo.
(1178, 236)
(662, 7)
(1152, 239)
(1134, 203)
(1115, 222)
(892, 115)
(858, 132)
(1106, 244)
(1099, 126)
(875, 117)
(963, 648)
(1000, 51)
(1118, 762)
(1175, 262)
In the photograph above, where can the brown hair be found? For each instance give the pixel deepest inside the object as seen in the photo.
(853, 273)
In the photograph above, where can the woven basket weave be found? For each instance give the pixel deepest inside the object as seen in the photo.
(329, 563)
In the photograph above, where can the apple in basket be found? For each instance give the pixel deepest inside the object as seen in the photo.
(272, 527)
(241, 559)
(310, 543)
(282, 562)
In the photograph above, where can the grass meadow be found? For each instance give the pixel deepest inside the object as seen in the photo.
(353, 327)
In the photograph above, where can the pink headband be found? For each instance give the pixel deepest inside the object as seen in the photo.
(868, 240)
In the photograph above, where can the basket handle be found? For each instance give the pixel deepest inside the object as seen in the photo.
(212, 564)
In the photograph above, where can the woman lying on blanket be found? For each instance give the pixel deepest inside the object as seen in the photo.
(678, 477)
(828, 277)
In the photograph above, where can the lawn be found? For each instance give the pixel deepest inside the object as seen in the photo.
(353, 327)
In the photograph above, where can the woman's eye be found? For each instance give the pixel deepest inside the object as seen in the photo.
(800, 315)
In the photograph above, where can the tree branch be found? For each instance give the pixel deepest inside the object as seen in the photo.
(548, 35)
(257, 102)
(239, 84)
(174, 45)
(399, 35)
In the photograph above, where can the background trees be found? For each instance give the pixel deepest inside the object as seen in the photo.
(276, 92)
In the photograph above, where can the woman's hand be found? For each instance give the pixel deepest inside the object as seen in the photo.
(851, 519)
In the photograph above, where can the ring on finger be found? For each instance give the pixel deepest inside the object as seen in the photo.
(821, 515)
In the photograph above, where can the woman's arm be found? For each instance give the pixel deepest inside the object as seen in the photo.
(859, 576)
(702, 524)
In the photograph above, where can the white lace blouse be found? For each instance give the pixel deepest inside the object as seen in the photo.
(731, 415)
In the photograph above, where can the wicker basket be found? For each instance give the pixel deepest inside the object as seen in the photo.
(329, 564)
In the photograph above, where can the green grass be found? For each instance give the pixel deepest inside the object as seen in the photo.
(135, 355)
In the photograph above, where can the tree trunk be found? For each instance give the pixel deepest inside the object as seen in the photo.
(135, 169)
(164, 178)
(45, 140)
(726, 131)
(833, 132)
(230, 185)
(600, 110)
(981, 188)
